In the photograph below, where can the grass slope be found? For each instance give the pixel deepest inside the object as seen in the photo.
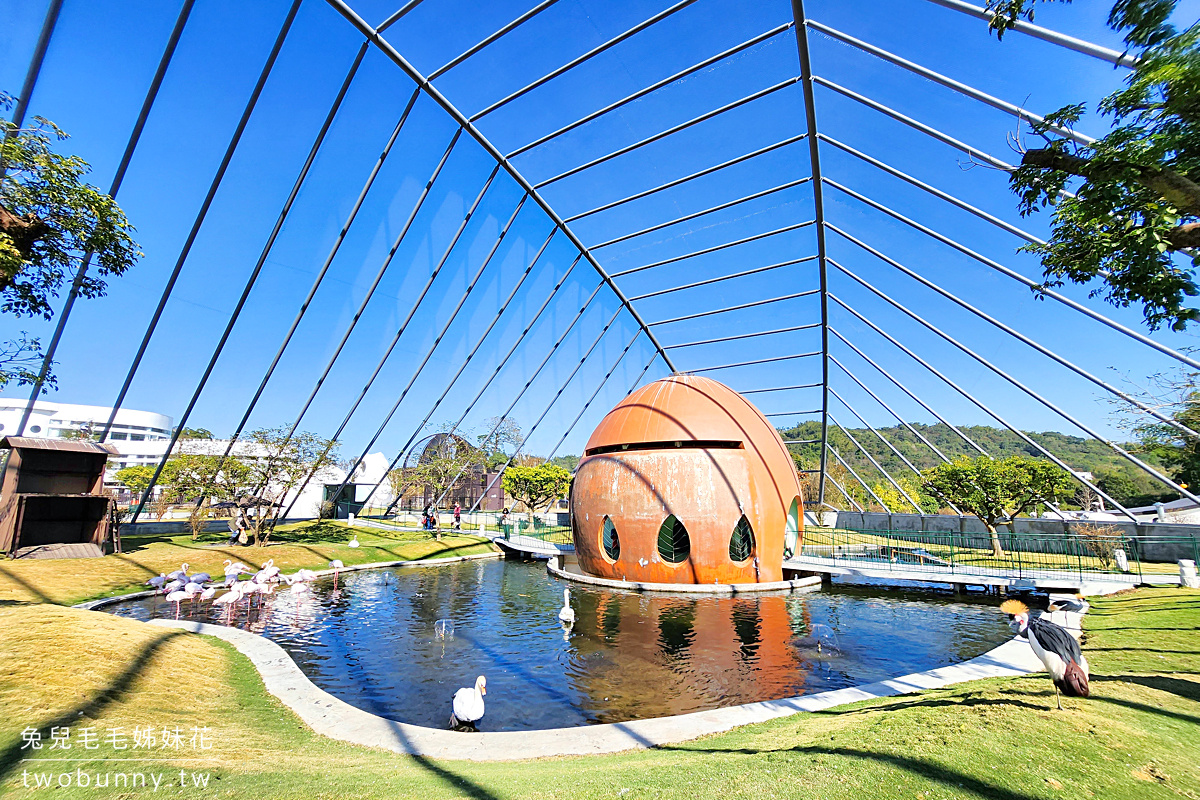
(1137, 737)
(309, 545)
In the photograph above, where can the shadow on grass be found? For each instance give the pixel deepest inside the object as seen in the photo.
(1189, 690)
(957, 782)
(11, 756)
(26, 585)
(964, 702)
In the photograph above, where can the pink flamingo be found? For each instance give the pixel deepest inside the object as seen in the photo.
(336, 565)
(176, 597)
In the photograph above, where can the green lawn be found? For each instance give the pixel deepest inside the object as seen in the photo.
(1137, 737)
(309, 544)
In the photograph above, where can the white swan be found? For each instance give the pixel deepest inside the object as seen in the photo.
(354, 541)
(467, 706)
(566, 613)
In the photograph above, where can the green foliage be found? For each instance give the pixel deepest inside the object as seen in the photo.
(282, 464)
(569, 463)
(993, 488)
(1178, 451)
(49, 219)
(443, 462)
(896, 501)
(195, 433)
(536, 486)
(1136, 203)
(136, 478)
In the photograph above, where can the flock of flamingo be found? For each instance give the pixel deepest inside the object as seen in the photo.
(179, 585)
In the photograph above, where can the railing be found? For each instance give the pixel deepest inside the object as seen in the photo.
(1021, 555)
(484, 523)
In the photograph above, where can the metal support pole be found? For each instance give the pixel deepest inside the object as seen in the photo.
(679, 181)
(250, 282)
(756, 303)
(595, 394)
(757, 361)
(715, 248)
(888, 408)
(562, 388)
(516, 23)
(740, 336)
(861, 482)
(595, 51)
(793, 413)
(1046, 35)
(437, 339)
(1116, 448)
(845, 494)
(784, 389)
(880, 436)
(930, 131)
(1167, 351)
(669, 131)
(876, 464)
(742, 274)
(203, 212)
(396, 17)
(1019, 336)
(387, 262)
(432, 91)
(984, 408)
(949, 83)
(118, 178)
(36, 61)
(475, 349)
(708, 62)
(814, 155)
(320, 277)
(908, 392)
(528, 383)
(938, 193)
(711, 210)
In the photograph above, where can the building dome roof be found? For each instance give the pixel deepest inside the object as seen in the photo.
(684, 408)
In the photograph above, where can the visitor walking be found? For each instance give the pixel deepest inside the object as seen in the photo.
(457, 517)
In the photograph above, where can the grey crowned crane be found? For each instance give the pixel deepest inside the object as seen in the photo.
(1055, 648)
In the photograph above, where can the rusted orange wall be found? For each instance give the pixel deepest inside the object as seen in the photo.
(708, 489)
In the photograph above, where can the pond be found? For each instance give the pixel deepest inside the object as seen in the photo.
(374, 641)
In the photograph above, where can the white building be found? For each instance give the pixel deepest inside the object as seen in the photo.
(141, 438)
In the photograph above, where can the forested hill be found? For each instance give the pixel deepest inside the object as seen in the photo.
(1081, 454)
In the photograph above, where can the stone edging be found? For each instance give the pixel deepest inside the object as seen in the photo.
(809, 584)
(92, 605)
(329, 716)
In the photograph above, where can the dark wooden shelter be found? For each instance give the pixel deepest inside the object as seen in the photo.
(52, 500)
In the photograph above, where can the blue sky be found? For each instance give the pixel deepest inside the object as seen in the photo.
(104, 54)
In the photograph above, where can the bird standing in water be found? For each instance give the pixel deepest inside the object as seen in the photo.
(1055, 648)
(467, 706)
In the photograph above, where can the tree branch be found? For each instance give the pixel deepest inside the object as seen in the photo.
(1179, 190)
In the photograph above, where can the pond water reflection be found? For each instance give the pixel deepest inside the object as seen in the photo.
(374, 642)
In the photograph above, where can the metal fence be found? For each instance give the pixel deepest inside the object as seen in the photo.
(1021, 555)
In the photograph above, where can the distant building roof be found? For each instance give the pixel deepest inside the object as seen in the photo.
(71, 445)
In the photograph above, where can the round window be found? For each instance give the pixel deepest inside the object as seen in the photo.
(610, 541)
(673, 543)
(741, 544)
(36, 429)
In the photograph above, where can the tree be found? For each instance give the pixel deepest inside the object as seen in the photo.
(136, 478)
(202, 478)
(501, 435)
(444, 461)
(50, 220)
(1177, 396)
(280, 465)
(992, 489)
(1136, 203)
(896, 501)
(195, 433)
(536, 486)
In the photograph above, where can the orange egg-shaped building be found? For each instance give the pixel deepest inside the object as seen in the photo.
(685, 481)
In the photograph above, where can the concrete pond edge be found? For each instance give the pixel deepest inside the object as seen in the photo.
(329, 716)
